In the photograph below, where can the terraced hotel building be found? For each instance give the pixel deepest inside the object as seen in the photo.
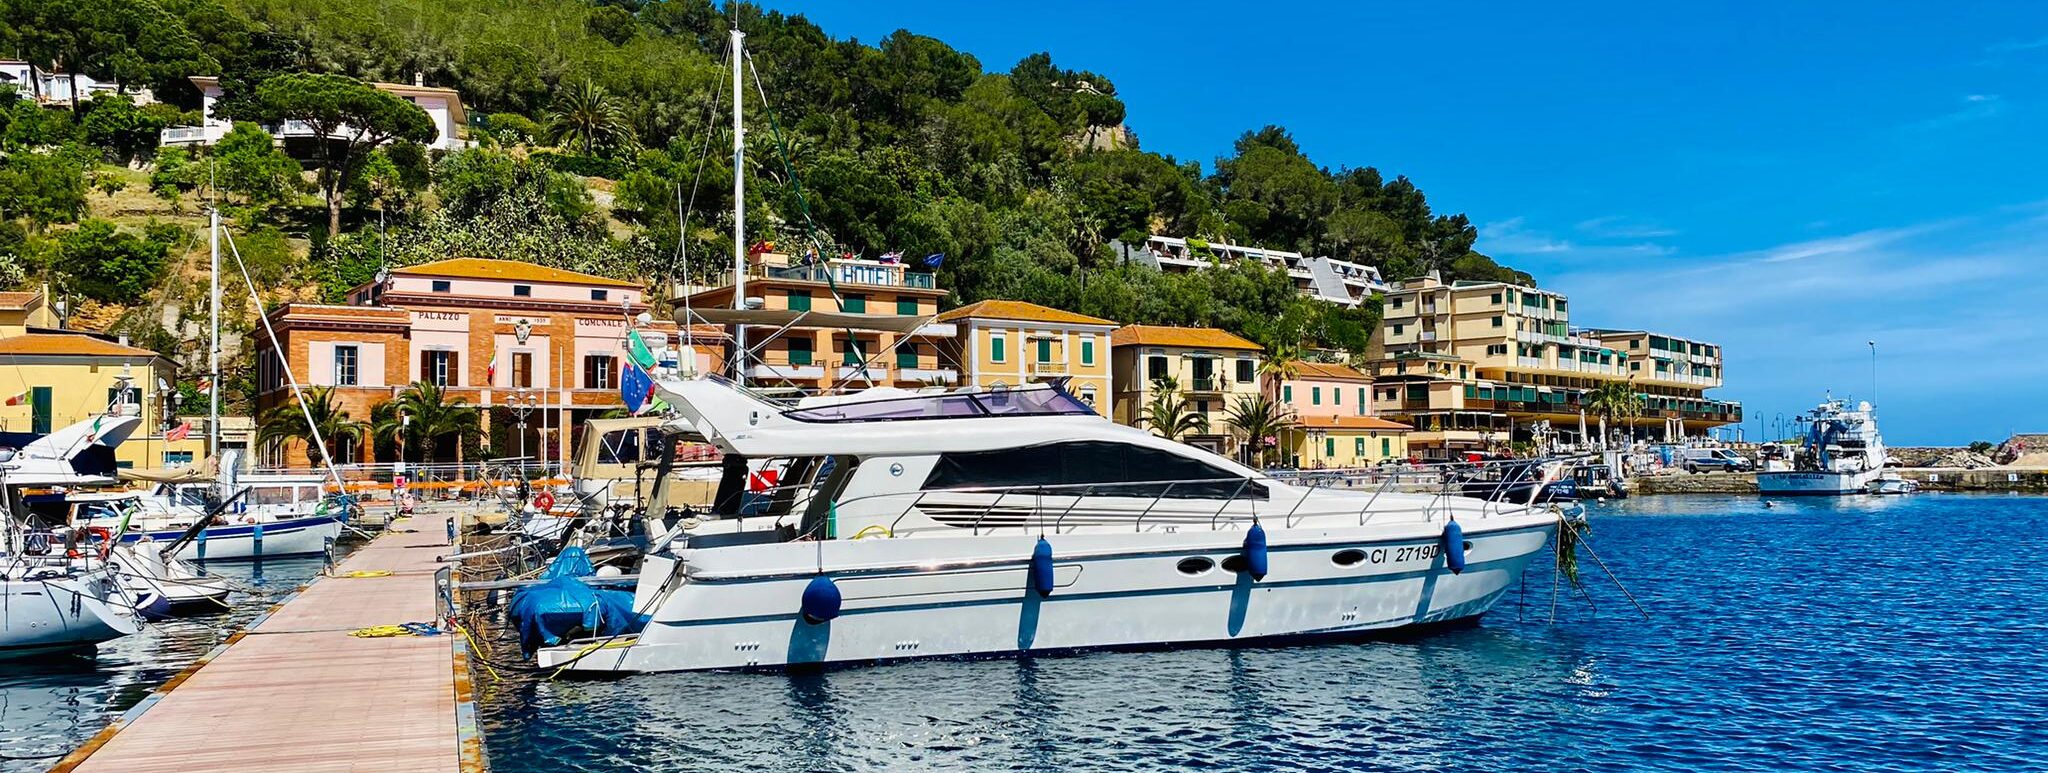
(1468, 364)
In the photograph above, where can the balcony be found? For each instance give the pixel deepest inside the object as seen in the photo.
(773, 371)
(188, 135)
(1049, 369)
(1210, 385)
(870, 273)
(929, 375)
(1429, 308)
(1426, 335)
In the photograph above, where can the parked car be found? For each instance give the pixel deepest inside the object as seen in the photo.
(1715, 459)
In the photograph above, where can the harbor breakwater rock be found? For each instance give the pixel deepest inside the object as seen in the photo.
(2020, 479)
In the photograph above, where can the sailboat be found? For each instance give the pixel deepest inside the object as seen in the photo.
(56, 597)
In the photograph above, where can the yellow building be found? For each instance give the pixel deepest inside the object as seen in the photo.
(1487, 362)
(821, 359)
(23, 310)
(1345, 442)
(1009, 343)
(66, 378)
(1209, 368)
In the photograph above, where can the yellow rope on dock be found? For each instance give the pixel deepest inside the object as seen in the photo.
(369, 573)
(380, 631)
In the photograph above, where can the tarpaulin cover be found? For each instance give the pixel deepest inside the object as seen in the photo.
(564, 608)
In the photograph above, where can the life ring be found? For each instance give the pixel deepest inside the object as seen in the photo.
(82, 538)
(545, 501)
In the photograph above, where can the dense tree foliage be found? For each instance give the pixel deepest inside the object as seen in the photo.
(1019, 176)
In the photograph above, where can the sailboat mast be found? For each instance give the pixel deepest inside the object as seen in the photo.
(213, 339)
(739, 209)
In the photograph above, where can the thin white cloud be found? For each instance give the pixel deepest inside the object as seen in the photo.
(1976, 107)
(1510, 237)
(1622, 227)
(2015, 46)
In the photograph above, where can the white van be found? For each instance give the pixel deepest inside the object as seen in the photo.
(1710, 459)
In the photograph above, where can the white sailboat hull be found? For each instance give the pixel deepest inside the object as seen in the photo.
(276, 539)
(1814, 483)
(41, 617)
(968, 596)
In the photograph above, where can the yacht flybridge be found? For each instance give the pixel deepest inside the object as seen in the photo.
(1016, 521)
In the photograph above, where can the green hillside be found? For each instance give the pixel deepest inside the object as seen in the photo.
(591, 120)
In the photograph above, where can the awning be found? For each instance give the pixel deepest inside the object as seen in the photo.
(886, 323)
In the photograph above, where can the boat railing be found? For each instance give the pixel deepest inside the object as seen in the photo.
(1056, 517)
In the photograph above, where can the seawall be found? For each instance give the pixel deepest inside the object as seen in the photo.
(2014, 479)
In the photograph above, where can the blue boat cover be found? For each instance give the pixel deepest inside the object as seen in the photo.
(557, 610)
(571, 562)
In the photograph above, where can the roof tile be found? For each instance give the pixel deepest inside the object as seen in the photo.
(77, 344)
(1197, 337)
(1020, 310)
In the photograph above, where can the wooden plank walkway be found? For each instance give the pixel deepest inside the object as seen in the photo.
(298, 693)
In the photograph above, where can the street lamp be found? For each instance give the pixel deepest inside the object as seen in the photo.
(523, 403)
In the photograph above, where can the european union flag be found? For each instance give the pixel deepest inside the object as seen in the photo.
(933, 260)
(635, 386)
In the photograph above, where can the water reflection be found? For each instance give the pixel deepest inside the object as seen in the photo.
(1806, 636)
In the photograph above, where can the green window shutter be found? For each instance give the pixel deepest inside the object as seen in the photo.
(39, 410)
(1329, 446)
(1361, 401)
(1287, 393)
(1088, 351)
(906, 306)
(800, 300)
(1045, 350)
(906, 356)
(1386, 447)
(1315, 395)
(856, 304)
(1358, 446)
(996, 351)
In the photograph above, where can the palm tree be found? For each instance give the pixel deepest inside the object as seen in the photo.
(1614, 401)
(1260, 420)
(1283, 363)
(589, 117)
(422, 415)
(1167, 414)
(286, 422)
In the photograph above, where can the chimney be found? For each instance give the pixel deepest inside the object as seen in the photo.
(124, 339)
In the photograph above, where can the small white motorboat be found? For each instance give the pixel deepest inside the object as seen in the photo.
(1892, 483)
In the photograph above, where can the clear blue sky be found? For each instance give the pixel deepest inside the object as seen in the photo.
(1790, 182)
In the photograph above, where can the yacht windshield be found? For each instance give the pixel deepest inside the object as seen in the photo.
(1018, 402)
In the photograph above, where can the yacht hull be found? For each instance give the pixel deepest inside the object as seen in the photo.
(1813, 483)
(60, 615)
(242, 542)
(972, 596)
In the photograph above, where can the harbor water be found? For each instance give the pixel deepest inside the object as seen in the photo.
(48, 706)
(1858, 633)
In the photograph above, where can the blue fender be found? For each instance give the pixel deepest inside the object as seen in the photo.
(1255, 552)
(1454, 547)
(821, 600)
(1041, 567)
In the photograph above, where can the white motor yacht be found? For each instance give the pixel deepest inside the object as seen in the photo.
(1843, 454)
(1020, 521)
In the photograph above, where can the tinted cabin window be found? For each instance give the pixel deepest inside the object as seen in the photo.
(1120, 469)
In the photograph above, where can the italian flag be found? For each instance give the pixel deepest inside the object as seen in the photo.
(18, 399)
(206, 386)
(491, 369)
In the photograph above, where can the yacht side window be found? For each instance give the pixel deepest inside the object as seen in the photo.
(1091, 468)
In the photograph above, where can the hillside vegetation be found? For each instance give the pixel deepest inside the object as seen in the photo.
(601, 130)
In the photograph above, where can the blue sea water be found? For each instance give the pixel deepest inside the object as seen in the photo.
(1864, 634)
(48, 706)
